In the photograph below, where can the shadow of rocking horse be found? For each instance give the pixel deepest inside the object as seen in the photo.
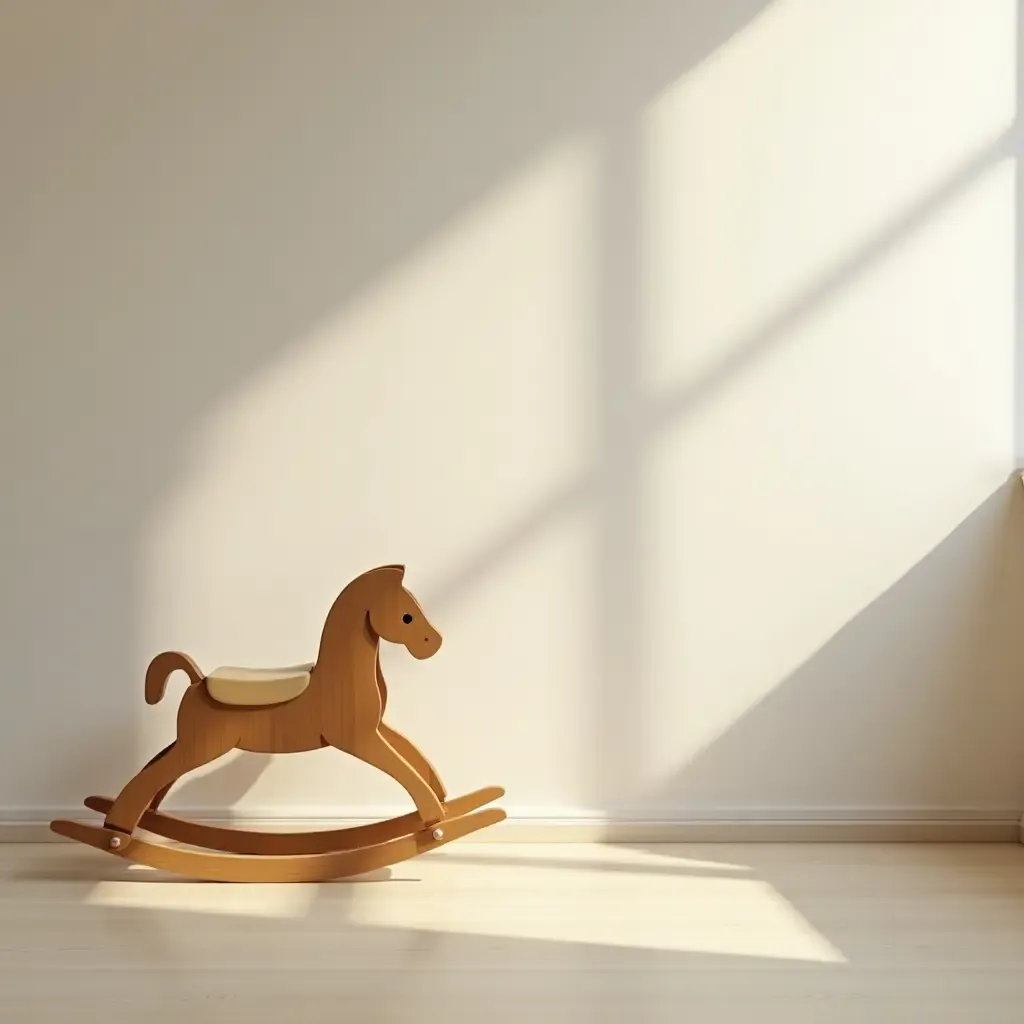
(337, 701)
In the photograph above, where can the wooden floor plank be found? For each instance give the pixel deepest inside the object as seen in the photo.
(820, 933)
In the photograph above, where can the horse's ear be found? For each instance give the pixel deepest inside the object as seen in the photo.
(400, 569)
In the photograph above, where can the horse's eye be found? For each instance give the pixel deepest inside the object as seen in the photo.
(407, 618)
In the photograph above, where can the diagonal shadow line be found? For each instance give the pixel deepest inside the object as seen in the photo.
(561, 501)
(666, 409)
(602, 866)
(757, 342)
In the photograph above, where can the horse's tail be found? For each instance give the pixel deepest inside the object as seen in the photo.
(160, 669)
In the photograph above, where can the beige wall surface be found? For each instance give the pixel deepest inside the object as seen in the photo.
(669, 344)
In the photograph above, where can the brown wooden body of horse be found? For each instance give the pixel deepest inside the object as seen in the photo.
(341, 707)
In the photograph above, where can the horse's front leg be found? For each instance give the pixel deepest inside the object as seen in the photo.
(382, 687)
(404, 746)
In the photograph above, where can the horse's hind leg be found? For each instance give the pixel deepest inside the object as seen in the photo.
(407, 749)
(161, 773)
(155, 803)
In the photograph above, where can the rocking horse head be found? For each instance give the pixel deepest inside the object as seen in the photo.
(396, 616)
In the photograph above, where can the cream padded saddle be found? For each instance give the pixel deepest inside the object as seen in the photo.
(257, 686)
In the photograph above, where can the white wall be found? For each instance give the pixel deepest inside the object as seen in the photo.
(670, 345)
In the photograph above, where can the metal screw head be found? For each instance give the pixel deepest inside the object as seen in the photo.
(115, 842)
(438, 833)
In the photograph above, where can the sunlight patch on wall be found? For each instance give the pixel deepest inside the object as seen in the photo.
(805, 489)
(806, 136)
(428, 416)
(829, 223)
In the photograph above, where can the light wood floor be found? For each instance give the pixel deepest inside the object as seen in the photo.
(765, 934)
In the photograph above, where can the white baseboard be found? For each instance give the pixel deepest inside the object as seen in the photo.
(784, 826)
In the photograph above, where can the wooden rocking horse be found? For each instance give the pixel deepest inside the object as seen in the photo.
(337, 701)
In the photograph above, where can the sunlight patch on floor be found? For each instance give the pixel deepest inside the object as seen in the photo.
(741, 917)
(286, 900)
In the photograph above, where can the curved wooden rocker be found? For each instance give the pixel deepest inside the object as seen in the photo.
(337, 701)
